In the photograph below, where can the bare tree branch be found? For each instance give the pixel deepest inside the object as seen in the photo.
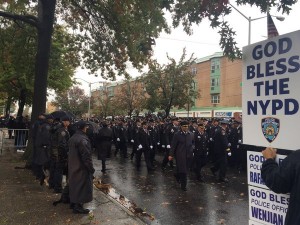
(32, 20)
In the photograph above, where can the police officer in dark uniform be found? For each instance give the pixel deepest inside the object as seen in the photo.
(43, 145)
(200, 151)
(214, 127)
(154, 138)
(103, 144)
(235, 140)
(182, 150)
(62, 137)
(143, 146)
(220, 152)
(121, 138)
(80, 169)
(135, 131)
(169, 134)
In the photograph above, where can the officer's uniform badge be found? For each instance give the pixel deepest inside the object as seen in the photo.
(270, 128)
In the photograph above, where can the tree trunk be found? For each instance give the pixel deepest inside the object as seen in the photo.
(46, 10)
(22, 100)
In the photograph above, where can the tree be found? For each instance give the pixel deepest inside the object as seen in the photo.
(113, 32)
(74, 100)
(17, 56)
(170, 85)
(104, 108)
(131, 96)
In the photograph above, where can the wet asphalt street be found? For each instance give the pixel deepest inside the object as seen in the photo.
(159, 195)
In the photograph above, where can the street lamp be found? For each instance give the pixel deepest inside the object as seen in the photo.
(280, 18)
(90, 93)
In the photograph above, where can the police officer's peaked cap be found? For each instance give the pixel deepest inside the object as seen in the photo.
(81, 124)
(224, 122)
(174, 119)
(65, 118)
(184, 122)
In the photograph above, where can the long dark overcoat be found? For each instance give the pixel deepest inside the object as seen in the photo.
(182, 150)
(81, 168)
(103, 142)
(42, 144)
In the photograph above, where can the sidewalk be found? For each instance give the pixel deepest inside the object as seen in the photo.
(23, 201)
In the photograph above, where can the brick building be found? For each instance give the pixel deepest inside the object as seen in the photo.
(219, 81)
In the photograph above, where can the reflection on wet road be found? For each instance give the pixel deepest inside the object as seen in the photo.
(159, 194)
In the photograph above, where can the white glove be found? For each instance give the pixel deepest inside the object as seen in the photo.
(229, 144)
(168, 146)
(229, 153)
(140, 146)
(151, 146)
(158, 143)
(163, 146)
(132, 141)
(240, 141)
(237, 146)
(210, 139)
(118, 139)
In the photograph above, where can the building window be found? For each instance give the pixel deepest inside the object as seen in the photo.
(215, 82)
(212, 67)
(215, 99)
(212, 82)
(194, 70)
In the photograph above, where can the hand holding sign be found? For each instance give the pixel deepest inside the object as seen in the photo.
(269, 153)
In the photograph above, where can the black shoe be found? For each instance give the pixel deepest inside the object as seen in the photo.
(72, 205)
(78, 209)
(223, 180)
(183, 188)
(213, 172)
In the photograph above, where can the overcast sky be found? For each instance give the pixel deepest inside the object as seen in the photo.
(205, 40)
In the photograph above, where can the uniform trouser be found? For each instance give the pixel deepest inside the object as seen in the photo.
(123, 149)
(182, 178)
(220, 165)
(56, 174)
(233, 159)
(200, 162)
(166, 158)
(211, 154)
(152, 154)
(146, 156)
(103, 165)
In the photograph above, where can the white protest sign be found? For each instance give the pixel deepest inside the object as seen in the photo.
(271, 93)
(267, 207)
(254, 163)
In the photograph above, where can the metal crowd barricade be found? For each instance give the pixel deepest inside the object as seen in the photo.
(17, 138)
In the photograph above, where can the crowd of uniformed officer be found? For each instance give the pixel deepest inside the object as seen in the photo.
(216, 141)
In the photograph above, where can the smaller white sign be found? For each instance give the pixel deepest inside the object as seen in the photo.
(267, 207)
(254, 163)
